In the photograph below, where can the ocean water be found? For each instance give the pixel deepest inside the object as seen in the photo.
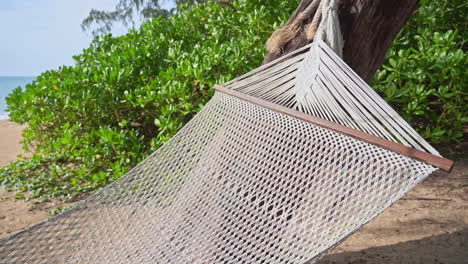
(7, 84)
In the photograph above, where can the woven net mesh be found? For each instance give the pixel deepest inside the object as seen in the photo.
(238, 184)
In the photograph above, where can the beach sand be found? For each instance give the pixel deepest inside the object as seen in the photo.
(429, 225)
(10, 137)
(15, 215)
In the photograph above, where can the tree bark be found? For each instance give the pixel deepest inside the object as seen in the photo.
(369, 28)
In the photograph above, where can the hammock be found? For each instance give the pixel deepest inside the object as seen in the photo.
(281, 165)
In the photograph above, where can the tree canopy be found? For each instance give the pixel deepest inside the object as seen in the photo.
(125, 12)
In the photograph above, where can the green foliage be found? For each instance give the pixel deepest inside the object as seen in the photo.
(60, 209)
(126, 96)
(425, 74)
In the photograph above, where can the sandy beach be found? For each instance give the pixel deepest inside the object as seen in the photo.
(15, 215)
(429, 225)
(10, 137)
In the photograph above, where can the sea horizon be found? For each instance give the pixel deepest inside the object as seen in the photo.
(7, 85)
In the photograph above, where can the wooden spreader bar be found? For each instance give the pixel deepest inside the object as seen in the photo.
(416, 154)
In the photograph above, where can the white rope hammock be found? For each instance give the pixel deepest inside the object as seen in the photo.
(316, 81)
(278, 167)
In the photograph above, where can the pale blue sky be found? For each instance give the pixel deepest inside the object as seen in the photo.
(38, 35)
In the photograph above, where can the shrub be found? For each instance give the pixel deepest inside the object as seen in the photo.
(425, 74)
(125, 96)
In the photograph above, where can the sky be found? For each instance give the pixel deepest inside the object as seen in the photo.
(38, 35)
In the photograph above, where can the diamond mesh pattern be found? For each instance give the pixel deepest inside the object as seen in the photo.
(238, 184)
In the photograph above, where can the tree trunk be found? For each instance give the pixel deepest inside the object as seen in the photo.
(369, 28)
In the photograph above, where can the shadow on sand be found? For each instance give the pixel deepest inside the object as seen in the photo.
(451, 248)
